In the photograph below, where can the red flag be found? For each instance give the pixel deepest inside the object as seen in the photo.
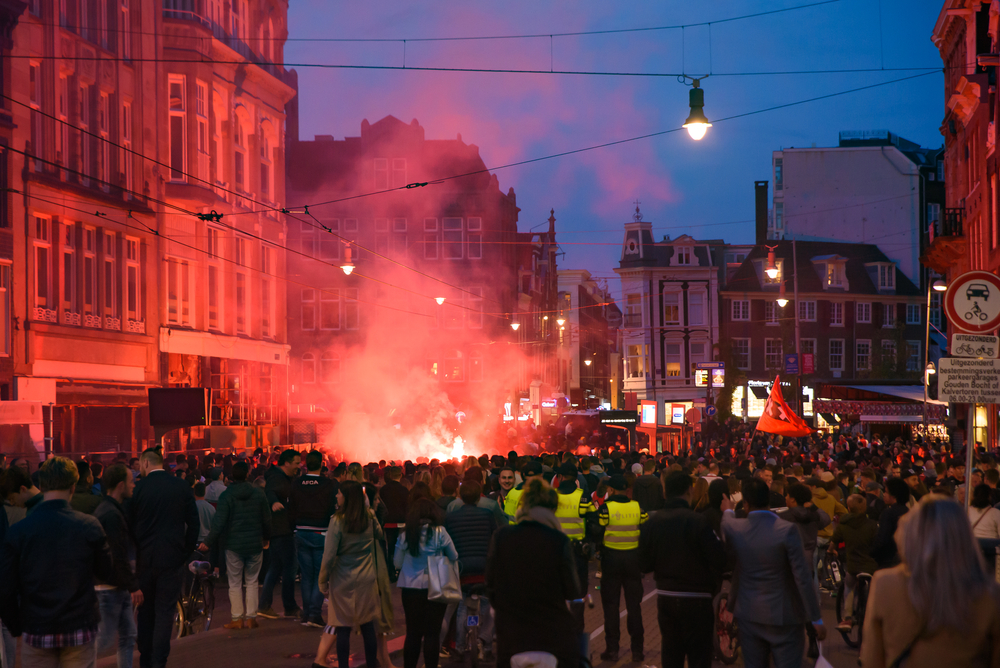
(778, 418)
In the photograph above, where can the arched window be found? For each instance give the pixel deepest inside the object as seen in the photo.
(330, 368)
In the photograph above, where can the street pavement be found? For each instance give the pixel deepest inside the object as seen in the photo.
(284, 643)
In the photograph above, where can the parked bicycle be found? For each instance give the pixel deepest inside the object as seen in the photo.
(196, 606)
(725, 640)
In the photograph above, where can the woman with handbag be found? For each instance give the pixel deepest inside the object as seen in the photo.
(424, 548)
(348, 577)
(939, 608)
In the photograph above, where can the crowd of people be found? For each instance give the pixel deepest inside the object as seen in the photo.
(93, 557)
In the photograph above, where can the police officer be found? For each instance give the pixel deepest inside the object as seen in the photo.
(621, 518)
(574, 506)
(532, 471)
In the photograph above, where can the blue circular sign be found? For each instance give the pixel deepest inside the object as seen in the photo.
(710, 411)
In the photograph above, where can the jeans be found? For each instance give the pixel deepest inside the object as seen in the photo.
(161, 587)
(423, 624)
(283, 565)
(686, 628)
(485, 625)
(9, 648)
(344, 645)
(238, 568)
(309, 545)
(84, 656)
(117, 619)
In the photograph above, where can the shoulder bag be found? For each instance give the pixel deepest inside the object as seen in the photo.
(443, 584)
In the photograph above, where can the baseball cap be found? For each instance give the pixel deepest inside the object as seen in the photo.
(637, 469)
(617, 482)
(907, 473)
(533, 468)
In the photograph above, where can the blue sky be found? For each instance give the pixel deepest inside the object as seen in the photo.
(700, 188)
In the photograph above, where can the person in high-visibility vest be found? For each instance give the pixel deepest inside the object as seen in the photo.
(621, 518)
(532, 471)
(574, 507)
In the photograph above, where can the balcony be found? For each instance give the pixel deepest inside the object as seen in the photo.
(633, 319)
(947, 242)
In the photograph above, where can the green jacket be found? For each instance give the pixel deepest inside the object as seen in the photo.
(858, 533)
(84, 500)
(242, 520)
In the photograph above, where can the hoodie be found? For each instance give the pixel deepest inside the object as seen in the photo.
(809, 521)
(858, 534)
(648, 491)
(830, 506)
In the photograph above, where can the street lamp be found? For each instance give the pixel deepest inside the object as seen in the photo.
(782, 300)
(348, 266)
(514, 325)
(930, 369)
(772, 266)
(439, 300)
(937, 286)
(587, 362)
(697, 124)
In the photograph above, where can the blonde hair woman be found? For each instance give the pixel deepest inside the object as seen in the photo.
(939, 608)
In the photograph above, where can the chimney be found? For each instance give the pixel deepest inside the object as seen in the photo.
(760, 190)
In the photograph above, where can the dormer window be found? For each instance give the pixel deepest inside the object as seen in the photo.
(886, 277)
(683, 255)
(835, 275)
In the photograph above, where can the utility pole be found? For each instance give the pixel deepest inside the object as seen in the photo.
(798, 339)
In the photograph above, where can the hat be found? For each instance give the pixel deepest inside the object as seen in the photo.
(907, 473)
(533, 468)
(826, 476)
(567, 471)
(637, 468)
(617, 482)
(771, 461)
(872, 486)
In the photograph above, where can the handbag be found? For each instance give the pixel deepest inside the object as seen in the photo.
(443, 585)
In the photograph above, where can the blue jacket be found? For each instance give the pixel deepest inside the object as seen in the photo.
(413, 569)
(471, 529)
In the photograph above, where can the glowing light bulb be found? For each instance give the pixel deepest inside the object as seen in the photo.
(587, 362)
(348, 268)
(439, 300)
(697, 125)
(514, 325)
(697, 130)
(560, 321)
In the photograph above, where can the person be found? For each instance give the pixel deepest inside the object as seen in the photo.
(422, 537)
(984, 517)
(532, 471)
(622, 519)
(476, 473)
(939, 608)
(530, 574)
(242, 524)
(393, 495)
(647, 489)
(449, 492)
(348, 576)
(505, 480)
(828, 504)
(206, 511)
(49, 562)
(718, 493)
(800, 511)
(885, 551)
(119, 595)
(20, 490)
(873, 496)
(278, 483)
(857, 532)
(165, 522)
(574, 508)
(686, 557)
(216, 485)
(85, 500)
(311, 503)
(772, 592)
(471, 529)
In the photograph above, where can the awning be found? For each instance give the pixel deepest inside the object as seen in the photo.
(760, 392)
(909, 392)
(897, 419)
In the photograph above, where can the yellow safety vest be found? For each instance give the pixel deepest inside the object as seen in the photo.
(622, 521)
(513, 500)
(570, 514)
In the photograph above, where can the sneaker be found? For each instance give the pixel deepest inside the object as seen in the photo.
(315, 622)
(845, 625)
(638, 657)
(234, 625)
(294, 612)
(267, 613)
(609, 655)
(251, 623)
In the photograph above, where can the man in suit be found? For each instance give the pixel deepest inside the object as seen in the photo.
(772, 593)
(165, 520)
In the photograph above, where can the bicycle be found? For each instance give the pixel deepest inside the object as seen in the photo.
(857, 616)
(472, 594)
(725, 640)
(195, 608)
(976, 311)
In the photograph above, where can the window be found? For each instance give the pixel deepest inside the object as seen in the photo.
(308, 369)
(889, 352)
(474, 238)
(6, 319)
(779, 177)
(5, 220)
(864, 312)
(125, 30)
(773, 357)
(836, 354)
(779, 264)
(451, 238)
(329, 309)
(888, 316)
(351, 308)
(633, 310)
(381, 173)
(240, 18)
(240, 157)
(35, 102)
(133, 281)
(936, 309)
(242, 286)
(62, 124)
(399, 236)
(741, 353)
(83, 121)
(671, 308)
(697, 354)
(308, 299)
(770, 312)
(329, 245)
(779, 216)
(913, 360)
(67, 277)
(807, 310)
(64, 14)
(430, 238)
(267, 296)
(913, 314)
(886, 277)
(835, 275)
(111, 278)
(454, 366)
(216, 294)
(474, 304)
(265, 163)
(476, 366)
(836, 314)
(382, 235)
(83, 19)
(398, 172)
(329, 367)
(934, 217)
(696, 308)
(91, 318)
(127, 159)
(178, 292)
(44, 302)
(741, 309)
(104, 146)
(201, 114)
(807, 346)
(178, 143)
(863, 357)
(636, 361)
(672, 358)
(683, 255)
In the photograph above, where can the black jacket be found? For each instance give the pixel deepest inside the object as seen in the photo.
(277, 487)
(682, 551)
(471, 529)
(243, 520)
(647, 490)
(312, 502)
(111, 515)
(884, 550)
(84, 500)
(164, 519)
(49, 561)
(394, 496)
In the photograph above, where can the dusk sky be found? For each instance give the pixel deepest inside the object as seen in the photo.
(701, 188)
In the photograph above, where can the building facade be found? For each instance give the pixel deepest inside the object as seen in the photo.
(589, 359)
(147, 245)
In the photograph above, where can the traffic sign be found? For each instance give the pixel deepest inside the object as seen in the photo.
(972, 302)
(969, 381)
(710, 410)
(974, 345)
(693, 415)
(713, 365)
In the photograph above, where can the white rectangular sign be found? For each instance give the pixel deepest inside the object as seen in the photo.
(969, 381)
(974, 345)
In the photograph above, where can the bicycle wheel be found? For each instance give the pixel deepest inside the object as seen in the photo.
(861, 606)
(725, 640)
(208, 587)
(853, 636)
(180, 621)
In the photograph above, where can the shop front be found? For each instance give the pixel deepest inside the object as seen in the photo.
(889, 410)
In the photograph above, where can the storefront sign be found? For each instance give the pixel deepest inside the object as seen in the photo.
(808, 363)
(969, 381)
(677, 414)
(647, 414)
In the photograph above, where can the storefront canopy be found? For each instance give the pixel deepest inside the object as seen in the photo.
(909, 392)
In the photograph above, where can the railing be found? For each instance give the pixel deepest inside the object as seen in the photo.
(187, 10)
(951, 225)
